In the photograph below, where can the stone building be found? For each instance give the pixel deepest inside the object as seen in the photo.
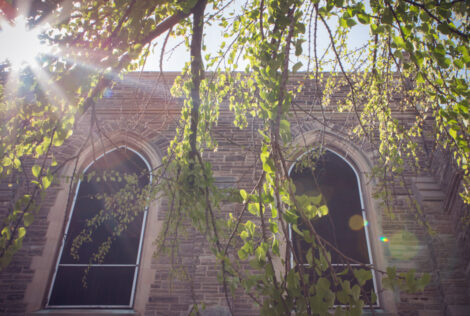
(139, 117)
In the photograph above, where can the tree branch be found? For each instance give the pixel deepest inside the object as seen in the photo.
(197, 72)
(428, 12)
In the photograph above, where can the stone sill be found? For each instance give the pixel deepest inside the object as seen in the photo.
(381, 312)
(90, 312)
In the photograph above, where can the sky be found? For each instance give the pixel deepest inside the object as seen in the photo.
(177, 54)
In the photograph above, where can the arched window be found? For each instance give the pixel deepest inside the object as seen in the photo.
(345, 226)
(99, 258)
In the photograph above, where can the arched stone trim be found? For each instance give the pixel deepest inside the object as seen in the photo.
(362, 164)
(43, 265)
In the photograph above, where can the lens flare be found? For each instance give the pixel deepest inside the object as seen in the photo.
(404, 245)
(384, 239)
(356, 222)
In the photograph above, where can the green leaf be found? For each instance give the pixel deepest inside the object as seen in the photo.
(268, 164)
(46, 181)
(444, 28)
(309, 256)
(274, 212)
(275, 246)
(58, 142)
(244, 195)
(284, 130)
(298, 48)
(16, 163)
(28, 219)
(362, 275)
(453, 133)
(250, 226)
(21, 232)
(363, 18)
(6, 232)
(323, 210)
(420, 78)
(253, 208)
(261, 252)
(399, 41)
(242, 254)
(442, 60)
(290, 217)
(297, 230)
(7, 161)
(316, 199)
(351, 22)
(296, 66)
(36, 170)
(356, 292)
(339, 3)
(459, 64)
(424, 281)
(387, 17)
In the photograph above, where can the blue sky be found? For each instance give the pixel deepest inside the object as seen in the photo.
(177, 54)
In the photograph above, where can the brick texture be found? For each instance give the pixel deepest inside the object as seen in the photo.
(141, 105)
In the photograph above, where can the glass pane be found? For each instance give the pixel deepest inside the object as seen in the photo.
(109, 285)
(343, 227)
(107, 177)
(123, 249)
(105, 286)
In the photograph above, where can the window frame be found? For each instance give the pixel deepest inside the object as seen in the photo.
(378, 303)
(62, 244)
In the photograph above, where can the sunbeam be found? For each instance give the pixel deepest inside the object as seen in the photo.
(55, 93)
(21, 45)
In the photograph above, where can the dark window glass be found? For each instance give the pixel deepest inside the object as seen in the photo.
(343, 227)
(109, 281)
(104, 286)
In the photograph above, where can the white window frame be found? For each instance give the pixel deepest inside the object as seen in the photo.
(136, 265)
(364, 215)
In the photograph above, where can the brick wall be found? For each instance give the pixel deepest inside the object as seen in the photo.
(141, 106)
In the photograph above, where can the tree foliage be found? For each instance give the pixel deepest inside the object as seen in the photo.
(417, 50)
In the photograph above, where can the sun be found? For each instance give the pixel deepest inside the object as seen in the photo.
(20, 44)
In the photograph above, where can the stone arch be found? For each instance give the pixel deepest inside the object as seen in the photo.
(361, 163)
(43, 265)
